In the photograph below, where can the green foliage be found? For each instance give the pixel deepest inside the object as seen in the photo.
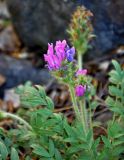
(114, 143)
(53, 138)
(34, 96)
(5, 148)
(14, 154)
(39, 150)
(115, 101)
(3, 151)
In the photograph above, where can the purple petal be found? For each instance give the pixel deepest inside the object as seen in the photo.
(80, 90)
(70, 54)
(81, 72)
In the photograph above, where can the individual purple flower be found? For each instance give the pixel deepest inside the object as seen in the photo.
(56, 55)
(70, 52)
(60, 49)
(80, 90)
(81, 72)
(52, 60)
(50, 49)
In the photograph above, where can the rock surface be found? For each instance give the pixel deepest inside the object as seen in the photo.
(39, 22)
(108, 23)
(19, 71)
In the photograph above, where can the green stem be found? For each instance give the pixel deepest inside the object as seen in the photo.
(73, 97)
(114, 114)
(10, 115)
(122, 88)
(119, 119)
(80, 61)
(114, 117)
(90, 117)
(83, 116)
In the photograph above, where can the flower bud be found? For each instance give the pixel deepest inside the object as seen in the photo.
(81, 72)
(80, 90)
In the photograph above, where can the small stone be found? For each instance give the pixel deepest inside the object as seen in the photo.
(10, 95)
(2, 80)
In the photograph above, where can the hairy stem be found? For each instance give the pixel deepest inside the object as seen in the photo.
(73, 97)
(80, 61)
(15, 117)
(83, 116)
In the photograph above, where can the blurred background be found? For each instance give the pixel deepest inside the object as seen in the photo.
(27, 26)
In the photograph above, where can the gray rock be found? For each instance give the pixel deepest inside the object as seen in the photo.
(108, 23)
(20, 71)
(41, 21)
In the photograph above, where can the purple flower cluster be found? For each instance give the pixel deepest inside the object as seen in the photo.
(56, 55)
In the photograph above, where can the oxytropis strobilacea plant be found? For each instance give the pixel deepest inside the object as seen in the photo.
(46, 135)
(85, 147)
(61, 63)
